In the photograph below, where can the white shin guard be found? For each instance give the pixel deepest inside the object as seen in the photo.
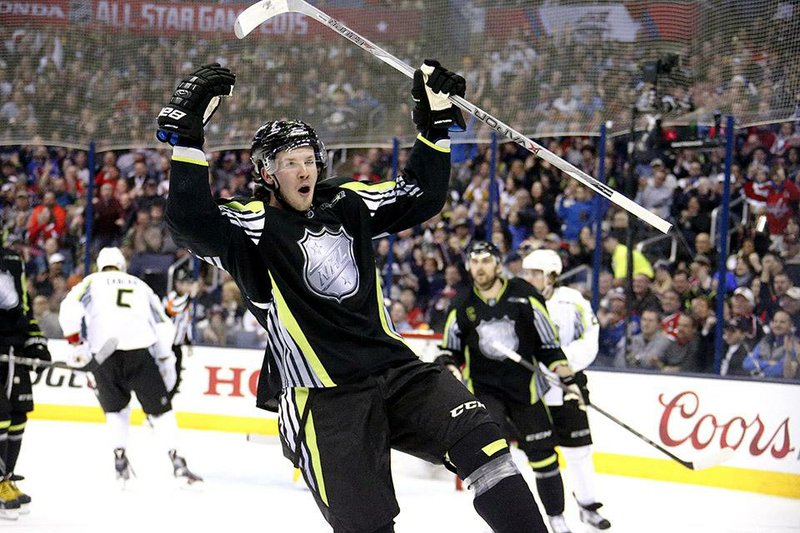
(581, 472)
(166, 429)
(117, 423)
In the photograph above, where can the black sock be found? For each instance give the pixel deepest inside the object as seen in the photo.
(15, 432)
(509, 507)
(14, 446)
(551, 491)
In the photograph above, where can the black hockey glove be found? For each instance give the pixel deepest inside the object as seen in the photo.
(448, 361)
(432, 85)
(192, 105)
(574, 391)
(582, 382)
(36, 348)
(445, 358)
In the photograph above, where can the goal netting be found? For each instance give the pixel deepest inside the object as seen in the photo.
(75, 71)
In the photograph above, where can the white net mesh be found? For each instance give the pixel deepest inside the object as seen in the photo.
(72, 71)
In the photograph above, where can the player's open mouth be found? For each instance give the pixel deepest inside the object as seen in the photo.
(305, 189)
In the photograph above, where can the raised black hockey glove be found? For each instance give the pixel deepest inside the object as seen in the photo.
(432, 85)
(574, 391)
(192, 105)
(36, 348)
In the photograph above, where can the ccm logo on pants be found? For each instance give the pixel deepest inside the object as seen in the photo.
(474, 404)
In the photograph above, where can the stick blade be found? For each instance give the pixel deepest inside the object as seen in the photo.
(255, 15)
(713, 459)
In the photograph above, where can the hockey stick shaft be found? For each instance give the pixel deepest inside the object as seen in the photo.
(105, 351)
(258, 13)
(32, 362)
(517, 358)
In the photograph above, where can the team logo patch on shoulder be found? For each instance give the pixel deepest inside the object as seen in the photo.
(330, 268)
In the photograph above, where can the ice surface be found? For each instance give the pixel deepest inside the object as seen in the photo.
(248, 487)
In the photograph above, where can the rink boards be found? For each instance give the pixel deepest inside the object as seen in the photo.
(692, 417)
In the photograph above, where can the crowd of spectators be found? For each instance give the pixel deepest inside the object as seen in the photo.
(69, 84)
(670, 314)
(65, 87)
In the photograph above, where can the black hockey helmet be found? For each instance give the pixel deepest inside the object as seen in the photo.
(280, 135)
(479, 248)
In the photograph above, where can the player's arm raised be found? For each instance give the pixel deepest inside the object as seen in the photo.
(192, 214)
(419, 192)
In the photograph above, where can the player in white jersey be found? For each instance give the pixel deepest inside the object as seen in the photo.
(120, 332)
(578, 332)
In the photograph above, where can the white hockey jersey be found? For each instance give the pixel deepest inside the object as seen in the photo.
(113, 304)
(578, 332)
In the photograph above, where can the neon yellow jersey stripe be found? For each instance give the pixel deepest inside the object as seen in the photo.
(544, 462)
(466, 373)
(382, 311)
(378, 187)
(499, 294)
(585, 324)
(187, 160)
(301, 397)
(290, 323)
(494, 447)
(25, 307)
(533, 389)
(451, 317)
(192, 156)
(435, 146)
(254, 207)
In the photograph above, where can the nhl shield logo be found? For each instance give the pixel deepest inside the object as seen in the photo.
(496, 330)
(330, 267)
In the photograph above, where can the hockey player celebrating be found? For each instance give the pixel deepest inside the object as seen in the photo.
(128, 348)
(350, 389)
(511, 313)
(20, 335)
(578, 332)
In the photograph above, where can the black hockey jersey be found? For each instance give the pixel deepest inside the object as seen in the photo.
(310, 278)
(517, 319)
(17, 324)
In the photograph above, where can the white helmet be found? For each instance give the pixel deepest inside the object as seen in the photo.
(111, 257)
(545, 260)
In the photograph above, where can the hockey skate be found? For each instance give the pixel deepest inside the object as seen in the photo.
(558, 524)
(181, 471)
(589, 515)
(123, 467)
(9, 505)
(23, 499)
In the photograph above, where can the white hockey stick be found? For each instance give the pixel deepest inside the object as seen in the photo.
(258, 13)
(707, 461)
